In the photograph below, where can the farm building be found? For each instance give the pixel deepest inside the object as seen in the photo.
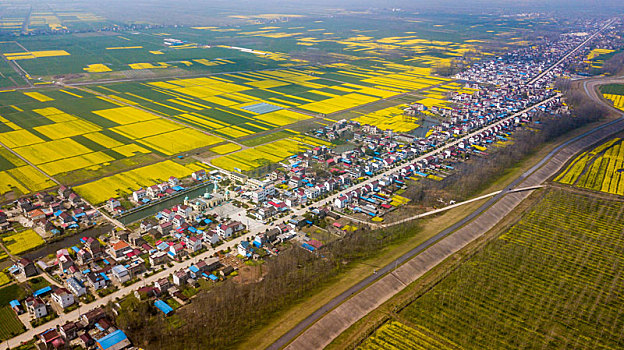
(114, 341)
(162, 306)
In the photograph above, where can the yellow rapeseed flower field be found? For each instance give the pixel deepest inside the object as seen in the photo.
(31, 178)
(35, 54)
(97, 68)
(52, 150)
(125, 115)
(252, 158)
(7, 182)
(124, 183)
(226, 148)
(38, 96)
(74, 163)
(20, 242)
(19, 138)
(103, 140)
(618, 100)
(67, 129)
(178, 141)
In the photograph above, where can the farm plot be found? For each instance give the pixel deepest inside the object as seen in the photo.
(618, 100)
(10, 325)
(20, 242)
(226, 148)
(600, 169)
(389, 118)
(241, 104)
(124, 183)
(252, 158)
(103, 54)
(551, 281)
(28, 178)
(395, 335)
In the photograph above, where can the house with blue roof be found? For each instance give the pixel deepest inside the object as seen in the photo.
(42, 291)
(114, 341)
(245, 249)
(164, 307)
(16, 306)
(194, 271)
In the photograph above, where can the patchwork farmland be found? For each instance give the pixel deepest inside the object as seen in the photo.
(74, 135)
(247, 113)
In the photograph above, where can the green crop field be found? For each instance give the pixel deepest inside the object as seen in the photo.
(8, 76)
(615, 89)
(552, 281)
(10, 325)
(10, 292)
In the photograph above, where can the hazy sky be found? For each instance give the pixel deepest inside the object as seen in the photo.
(199, 11)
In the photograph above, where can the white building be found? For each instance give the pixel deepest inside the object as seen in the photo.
(76, 287)
(63, 297)
(36, 307)
(139, 195)
(121, 273)
(262, 194)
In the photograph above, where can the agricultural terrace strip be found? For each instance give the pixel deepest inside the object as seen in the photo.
(62, 131)
(551, 281)
(397, 336)
(601, 169)
(124, 183)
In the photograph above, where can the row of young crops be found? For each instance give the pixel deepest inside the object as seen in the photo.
(551, 281)
(10, 326)
(397, 336)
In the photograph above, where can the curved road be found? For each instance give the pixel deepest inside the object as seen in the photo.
(310, 334)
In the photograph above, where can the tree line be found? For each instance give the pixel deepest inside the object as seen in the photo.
(474, 175)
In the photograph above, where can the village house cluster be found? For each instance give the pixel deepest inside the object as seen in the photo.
(49, 213)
